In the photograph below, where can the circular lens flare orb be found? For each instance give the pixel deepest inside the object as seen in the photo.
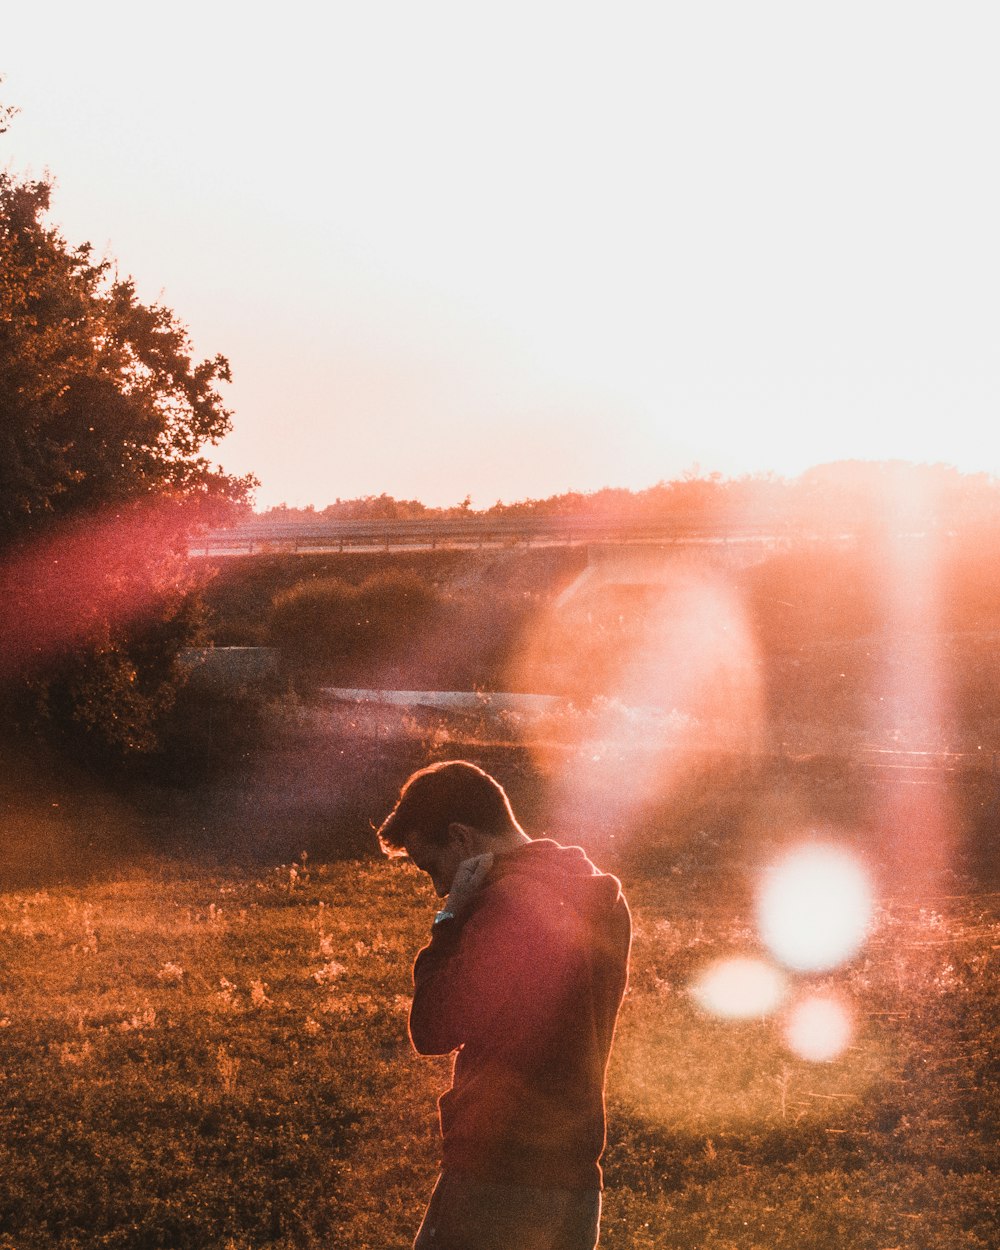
(739, 989)
(814, 908)
(819, 1028)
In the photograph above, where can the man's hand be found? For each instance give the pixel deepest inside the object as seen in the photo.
(468, 878)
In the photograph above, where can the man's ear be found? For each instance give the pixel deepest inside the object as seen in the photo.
(464, 837)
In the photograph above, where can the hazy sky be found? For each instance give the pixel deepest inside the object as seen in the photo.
(513, 249)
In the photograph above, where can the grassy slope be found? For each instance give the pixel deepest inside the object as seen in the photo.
(833, 655)
(204, 1057)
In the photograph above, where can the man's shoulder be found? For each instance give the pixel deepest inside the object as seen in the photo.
(527, 896)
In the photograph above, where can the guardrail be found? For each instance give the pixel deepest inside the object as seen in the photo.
(473, 532)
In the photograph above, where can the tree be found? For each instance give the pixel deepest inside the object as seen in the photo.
(104, 415)
(101, 402)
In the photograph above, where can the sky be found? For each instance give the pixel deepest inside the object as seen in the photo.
(509, 250)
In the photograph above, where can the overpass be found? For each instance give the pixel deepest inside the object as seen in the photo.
(719, 540)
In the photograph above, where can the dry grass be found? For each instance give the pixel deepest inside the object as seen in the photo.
(199, 1057)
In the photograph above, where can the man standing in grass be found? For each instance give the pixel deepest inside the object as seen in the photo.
(523, 977)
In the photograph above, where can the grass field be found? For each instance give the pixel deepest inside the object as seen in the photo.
(205, 1056)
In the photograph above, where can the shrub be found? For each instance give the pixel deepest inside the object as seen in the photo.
(331, 631)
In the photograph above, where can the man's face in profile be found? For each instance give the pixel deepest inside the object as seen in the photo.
(439, 862)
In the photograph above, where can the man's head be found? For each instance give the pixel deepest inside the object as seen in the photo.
(446, 813)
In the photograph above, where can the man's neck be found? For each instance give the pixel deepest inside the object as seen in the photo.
(507, 842)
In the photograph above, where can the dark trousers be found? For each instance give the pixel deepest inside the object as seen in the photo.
(468, 1214)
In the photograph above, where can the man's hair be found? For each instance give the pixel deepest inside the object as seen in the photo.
(436, 796)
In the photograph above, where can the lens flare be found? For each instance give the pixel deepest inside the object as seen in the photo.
(739, 989)
(62, 589)
(814, 908)
(819, 1028)
(914, 681)
(659, 657)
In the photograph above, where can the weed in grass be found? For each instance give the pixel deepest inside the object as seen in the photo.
(330, 972)
(258, 995)
(229, 1069)
(88, 943)
(145, 1018)
(226, 996)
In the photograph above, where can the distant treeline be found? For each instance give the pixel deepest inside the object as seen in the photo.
(844, 495)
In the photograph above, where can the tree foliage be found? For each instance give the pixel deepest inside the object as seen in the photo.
(844, 496)
(101, 401)
(104, 417)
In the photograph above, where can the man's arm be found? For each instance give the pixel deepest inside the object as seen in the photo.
(495, 977)
(438, 1013)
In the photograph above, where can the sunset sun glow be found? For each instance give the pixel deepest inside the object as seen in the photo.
(678, 240)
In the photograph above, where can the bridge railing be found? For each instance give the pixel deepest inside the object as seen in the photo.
(475, 531)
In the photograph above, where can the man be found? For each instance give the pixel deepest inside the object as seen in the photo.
(523, 977)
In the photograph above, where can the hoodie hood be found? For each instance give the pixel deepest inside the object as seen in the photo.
(564, 871)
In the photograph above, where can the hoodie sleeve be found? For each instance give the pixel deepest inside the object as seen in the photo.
(435, 1027)
(495, 979)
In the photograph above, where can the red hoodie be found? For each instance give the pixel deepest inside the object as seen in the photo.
(526, 986)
